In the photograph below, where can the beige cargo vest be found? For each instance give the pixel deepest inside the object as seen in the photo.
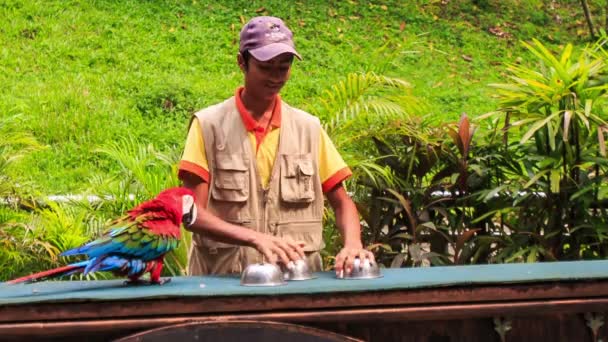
(291, 207)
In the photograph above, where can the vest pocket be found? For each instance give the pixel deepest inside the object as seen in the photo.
(206, 260)
(309, 233)
(231, 178)
(297, 171)
(212, 257)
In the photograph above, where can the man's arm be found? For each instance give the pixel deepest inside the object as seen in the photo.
(347, 220)
(217, 229)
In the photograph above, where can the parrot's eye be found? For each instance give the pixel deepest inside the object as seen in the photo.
(188, 210)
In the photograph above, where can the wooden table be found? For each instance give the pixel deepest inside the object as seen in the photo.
(554, 301)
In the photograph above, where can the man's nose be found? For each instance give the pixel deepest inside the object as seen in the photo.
(277, 74)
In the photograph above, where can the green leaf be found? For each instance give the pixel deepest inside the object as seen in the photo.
(536, 177)
(555, 178)
(406, 204)
(525, 121)
(494, 192)
(461, 240)
(580, 193)
(567, 118)
(516, 255)
(403, 236)
(532, 256)
(551, 133)
(429, 225)
(583, 118)
(538, 125)
(486, 215)
(566, 54)
(477, 169)
(601, 141)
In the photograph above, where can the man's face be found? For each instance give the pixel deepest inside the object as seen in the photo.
(265, 79)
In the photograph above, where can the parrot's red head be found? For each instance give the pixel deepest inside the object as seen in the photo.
(175, 204)
(181, 200)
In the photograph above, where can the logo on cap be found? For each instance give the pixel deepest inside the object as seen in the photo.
(275, 33)
(266, 38)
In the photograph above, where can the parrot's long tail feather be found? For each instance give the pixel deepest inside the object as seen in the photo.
(56, 272)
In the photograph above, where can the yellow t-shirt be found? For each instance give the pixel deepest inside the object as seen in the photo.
(265, 143)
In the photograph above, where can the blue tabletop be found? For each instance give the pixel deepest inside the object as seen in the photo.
(393, 279)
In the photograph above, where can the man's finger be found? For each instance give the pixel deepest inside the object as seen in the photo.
(268, 255)
(371, 256)
(363, 256)
(299, 249)
(339, 264)
(291, 249)
(288, 249)
(349, 263)
(281, 254)
(292, 253)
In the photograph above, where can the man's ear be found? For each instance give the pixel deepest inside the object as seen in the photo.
(241, 62)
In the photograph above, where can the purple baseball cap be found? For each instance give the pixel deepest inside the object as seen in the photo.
(266, 38)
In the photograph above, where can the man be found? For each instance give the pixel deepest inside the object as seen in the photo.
(260, 168)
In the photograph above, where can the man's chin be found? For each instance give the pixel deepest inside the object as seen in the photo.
(270, 94)
(266, 93)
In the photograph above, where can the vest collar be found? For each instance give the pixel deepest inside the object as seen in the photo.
(250, 123)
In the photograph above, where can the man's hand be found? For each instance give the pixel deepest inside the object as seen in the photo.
(346, 258)
(272, 247)
(210, 225)
(347, 220)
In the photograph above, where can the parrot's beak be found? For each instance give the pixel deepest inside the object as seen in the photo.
(188, 210)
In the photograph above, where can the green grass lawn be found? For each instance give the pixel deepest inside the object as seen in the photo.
(84, 73)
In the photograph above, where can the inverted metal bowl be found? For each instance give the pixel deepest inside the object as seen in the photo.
(363, 270)
(262, 274)
(298, 270)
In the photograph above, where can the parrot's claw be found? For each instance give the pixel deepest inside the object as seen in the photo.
(161, 281)
(134, 282)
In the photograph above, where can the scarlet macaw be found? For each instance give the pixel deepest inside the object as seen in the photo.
(135, 243)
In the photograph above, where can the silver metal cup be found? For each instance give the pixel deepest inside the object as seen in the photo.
(262, 274)
(362, 270)
(298, 270)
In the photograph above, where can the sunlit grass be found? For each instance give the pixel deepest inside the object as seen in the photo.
(88, 72)
(102, 83)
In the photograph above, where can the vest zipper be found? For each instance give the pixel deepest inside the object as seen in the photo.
(264, 207)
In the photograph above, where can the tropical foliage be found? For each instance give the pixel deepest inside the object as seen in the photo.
(524, 183)
(530, 190)
(557, 111)
(66, 222)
